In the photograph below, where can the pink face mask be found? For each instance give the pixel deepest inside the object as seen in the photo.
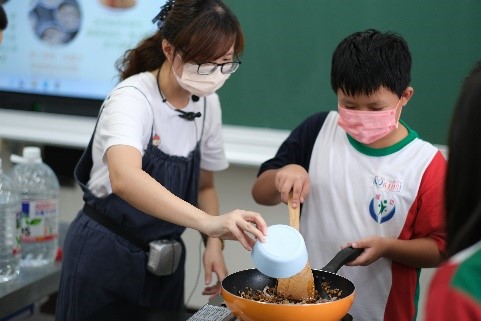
(368, 126)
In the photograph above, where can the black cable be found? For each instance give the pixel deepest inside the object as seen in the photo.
(183, 114)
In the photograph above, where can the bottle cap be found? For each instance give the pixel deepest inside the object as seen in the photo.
(32, 154)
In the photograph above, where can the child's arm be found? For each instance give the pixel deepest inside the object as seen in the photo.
(422, 252)
(264, 189)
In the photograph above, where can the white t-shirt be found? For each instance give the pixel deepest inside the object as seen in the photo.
(134, 114)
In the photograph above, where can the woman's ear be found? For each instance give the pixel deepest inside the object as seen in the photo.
(168, 50)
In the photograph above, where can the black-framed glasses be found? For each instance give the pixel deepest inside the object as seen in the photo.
(208, 68)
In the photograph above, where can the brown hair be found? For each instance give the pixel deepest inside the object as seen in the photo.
(203, 30)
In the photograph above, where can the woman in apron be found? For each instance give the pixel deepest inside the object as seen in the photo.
(147, 173)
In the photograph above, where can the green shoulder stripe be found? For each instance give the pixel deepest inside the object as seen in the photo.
(468, 277)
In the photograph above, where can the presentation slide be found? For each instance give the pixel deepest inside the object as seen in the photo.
(69, 47)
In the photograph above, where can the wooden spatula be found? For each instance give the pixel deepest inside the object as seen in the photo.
(300, 286)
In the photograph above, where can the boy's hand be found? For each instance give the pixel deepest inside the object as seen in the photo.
(419, 252)
(374, 248)
(293, 178)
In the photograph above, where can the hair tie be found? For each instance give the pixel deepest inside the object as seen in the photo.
(164, 11)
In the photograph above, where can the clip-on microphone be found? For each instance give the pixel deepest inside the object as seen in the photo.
(188, 115)
(183, 114)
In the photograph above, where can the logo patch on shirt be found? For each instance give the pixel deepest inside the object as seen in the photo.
(387, 184)
(382, 209)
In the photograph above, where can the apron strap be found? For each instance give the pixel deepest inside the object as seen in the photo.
(115, 228)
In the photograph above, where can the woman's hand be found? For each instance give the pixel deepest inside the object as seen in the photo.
(240, 225)
(213, 263)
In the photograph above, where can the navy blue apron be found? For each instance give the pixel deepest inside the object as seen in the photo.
(101, 268)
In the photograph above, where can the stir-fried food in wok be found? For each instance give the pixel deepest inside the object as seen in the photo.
(270, 295)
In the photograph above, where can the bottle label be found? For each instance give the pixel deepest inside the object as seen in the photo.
(39, 220)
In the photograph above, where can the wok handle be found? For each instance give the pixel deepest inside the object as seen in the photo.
(342, 257)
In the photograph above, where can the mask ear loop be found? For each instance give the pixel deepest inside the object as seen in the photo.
(397, 106)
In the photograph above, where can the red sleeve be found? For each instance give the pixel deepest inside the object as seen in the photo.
(429, 205)
(445, 303)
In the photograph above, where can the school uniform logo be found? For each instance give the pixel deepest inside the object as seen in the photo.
(383, 207)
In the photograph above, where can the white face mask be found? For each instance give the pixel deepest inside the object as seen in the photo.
(200, 85)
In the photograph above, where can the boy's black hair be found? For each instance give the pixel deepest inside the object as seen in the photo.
(367, 60)
(3, 18)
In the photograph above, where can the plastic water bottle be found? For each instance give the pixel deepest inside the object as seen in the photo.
(9, 226)
(39, 190)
